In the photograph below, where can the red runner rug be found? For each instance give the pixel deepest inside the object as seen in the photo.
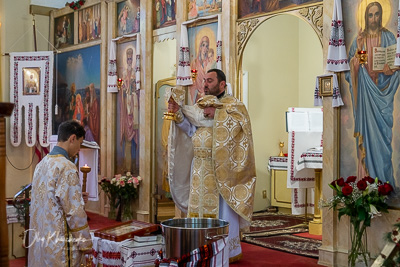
(288, 243)
(272, 221)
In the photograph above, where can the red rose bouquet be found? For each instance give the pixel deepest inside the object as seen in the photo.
(361, 200)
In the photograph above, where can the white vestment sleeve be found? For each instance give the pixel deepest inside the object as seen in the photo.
(180, 155)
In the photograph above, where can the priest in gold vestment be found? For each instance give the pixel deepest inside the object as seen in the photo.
(58, 231)
(211, 159)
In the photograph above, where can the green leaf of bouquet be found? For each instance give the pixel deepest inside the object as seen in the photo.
(342, 212)
(361, 214)
(367, 221)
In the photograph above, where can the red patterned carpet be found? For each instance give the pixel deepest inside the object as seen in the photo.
(252, 255)
(268, 221)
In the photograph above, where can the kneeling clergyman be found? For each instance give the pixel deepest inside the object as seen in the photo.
(58, 231)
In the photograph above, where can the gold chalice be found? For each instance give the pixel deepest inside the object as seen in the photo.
(169, 115)
(281, 145)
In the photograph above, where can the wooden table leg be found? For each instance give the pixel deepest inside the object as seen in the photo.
(315, 226)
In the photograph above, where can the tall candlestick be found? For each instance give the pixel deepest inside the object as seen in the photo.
(85, 170)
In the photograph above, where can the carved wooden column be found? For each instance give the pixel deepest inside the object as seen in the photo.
(5, 111)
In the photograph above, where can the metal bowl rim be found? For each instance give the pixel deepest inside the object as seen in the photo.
(226, 223)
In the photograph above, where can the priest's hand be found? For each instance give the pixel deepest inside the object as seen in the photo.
(172, 106)
(209, 112)
(85, 196)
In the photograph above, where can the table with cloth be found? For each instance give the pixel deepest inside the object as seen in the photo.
(281, 196)
(125, 253)
(133, 253)
(304, 132)
(312, 160)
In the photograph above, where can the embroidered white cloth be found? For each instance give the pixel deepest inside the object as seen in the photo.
(184, 76)
(31, 87)
(277, 163)
(336, 97)
(107, 252)
(302, 182)
(337, 58)
(112, 86)
(137, 69)
(397, 59)
(141, 253)
(125, 253)
(12, 214)
(310, 160)
(112, 64)
(219, 43)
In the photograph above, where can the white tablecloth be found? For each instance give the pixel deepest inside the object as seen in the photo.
(302, 180)
(278, 163)
(310, 160)
(12, 215)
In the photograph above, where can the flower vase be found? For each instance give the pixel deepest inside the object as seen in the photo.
(358, 254)
(126, 214)
(112, 213)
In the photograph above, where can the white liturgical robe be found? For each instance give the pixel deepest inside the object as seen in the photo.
(58, 232)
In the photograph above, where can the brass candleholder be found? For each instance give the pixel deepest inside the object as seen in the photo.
(85, 170)
(194, 74)
(281, 145)
(120, 82)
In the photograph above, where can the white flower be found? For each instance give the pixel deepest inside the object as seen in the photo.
(113, 180)
(139, 178)
(128, 174)
(374, 212)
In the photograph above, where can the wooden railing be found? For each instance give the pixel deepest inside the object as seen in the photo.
(5, 111)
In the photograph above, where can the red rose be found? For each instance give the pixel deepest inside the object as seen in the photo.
(362, 184)
(351, 179)
(382, 190)
(81, 3)
(369, 179)
(388, 188)
(71, 4)
(347, 190)
(75, 7)
(340, 181)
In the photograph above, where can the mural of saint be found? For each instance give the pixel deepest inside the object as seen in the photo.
(202, 8)
(127, 111)
(202, 44)
(164, 13)
(373, 94)
(248, 8)
(64, 31)
(128, 14)
(78, 89)
(31, 81)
